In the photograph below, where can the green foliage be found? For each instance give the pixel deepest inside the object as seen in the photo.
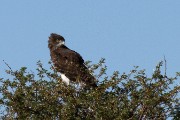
(132, 96)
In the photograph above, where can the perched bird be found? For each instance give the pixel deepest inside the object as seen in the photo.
(69, 63)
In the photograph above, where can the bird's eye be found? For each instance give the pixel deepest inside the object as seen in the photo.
(57, 40)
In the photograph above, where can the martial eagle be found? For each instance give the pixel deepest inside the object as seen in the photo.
(69, 63)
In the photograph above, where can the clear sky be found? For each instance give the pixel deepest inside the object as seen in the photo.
(125, 32)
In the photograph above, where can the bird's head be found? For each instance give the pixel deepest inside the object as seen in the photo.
(56, 40)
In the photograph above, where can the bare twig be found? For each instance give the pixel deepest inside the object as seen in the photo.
(8, 66)
(165, 66)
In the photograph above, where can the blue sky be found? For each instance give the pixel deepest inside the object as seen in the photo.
(125, 32)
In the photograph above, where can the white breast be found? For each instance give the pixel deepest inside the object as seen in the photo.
(65, 79)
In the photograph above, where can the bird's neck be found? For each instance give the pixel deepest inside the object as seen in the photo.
(60, 46)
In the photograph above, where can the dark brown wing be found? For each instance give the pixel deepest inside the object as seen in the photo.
(72, 65)
(70, 55)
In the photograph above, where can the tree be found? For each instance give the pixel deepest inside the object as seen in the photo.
(132, 96)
